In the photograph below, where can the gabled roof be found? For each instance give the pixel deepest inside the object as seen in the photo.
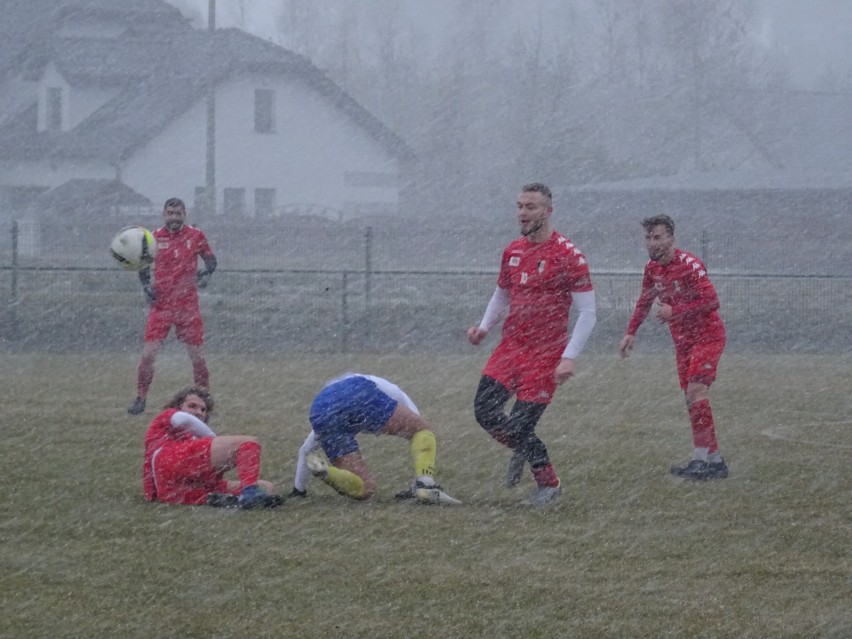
(27, 25)
(90, 194)
(159, 76)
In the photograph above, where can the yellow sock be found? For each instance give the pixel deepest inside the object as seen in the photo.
(423, 451)
(345, 482)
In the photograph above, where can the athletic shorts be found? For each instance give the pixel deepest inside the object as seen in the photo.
(184, 474)
(189, 328)
(348, 407)
(697, 361)
(525, 372)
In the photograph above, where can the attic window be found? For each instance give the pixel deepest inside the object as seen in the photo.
(264, 110)
(53, 113)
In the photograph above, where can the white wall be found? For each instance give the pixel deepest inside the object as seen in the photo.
(304, 159)
(174, 162)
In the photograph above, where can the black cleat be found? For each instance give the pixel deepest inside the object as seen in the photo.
(255, 497)
(137, 407)
(698, 470)
(222, 500)
(301, 494)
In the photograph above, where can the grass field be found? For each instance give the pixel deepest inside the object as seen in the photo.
(628, 552)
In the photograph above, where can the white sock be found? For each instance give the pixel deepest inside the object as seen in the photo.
(714, 458)
(426, 480)
(700, 453)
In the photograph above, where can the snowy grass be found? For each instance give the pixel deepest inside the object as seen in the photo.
(627, 552)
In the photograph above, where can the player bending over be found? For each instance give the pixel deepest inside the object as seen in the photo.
(353, 404)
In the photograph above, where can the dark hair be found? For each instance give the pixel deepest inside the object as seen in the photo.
(177, 400)
(656, 220)
(174, 202)
(537, 187)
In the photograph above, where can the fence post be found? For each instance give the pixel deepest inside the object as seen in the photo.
(368, 281)
(344, 313)
(13, 293)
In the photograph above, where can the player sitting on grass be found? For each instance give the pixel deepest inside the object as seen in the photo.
(353, 404)
(185, 461)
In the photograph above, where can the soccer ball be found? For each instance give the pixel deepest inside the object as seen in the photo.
(133, 247)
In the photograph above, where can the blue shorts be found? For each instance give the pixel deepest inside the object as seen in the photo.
(348, 407)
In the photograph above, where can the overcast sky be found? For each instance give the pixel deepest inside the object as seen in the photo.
(814, 35)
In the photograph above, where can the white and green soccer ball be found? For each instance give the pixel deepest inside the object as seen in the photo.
(133, 247)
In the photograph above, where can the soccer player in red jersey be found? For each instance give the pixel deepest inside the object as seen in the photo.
(689, 305)
(542, 274)
(185, 461)
(173, 297)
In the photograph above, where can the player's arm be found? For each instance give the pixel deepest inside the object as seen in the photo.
(210, 263)
(643, 304)
(586, 306)
(496, 309)
(147, 287)
(186, 423)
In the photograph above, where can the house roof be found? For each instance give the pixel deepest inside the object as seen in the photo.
(158, 75)
(28, 24)
(90, 194)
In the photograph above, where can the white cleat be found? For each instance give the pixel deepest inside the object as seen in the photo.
(317, 465)
(434, 495)
(544, 495)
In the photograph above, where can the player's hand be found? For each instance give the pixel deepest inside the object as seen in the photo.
(664, 313)
(150, 293)
(564, 371)
(475, 335)
(626, 345)
(202, 278)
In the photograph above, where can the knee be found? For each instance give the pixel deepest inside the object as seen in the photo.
(488, 413)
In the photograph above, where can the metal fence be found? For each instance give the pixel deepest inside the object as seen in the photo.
(255, 306)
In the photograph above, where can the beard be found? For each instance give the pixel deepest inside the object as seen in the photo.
(526, 231)
(174, 225)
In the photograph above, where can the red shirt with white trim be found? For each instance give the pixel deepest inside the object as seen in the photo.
(684, 285)
(176, 265)
(540, 278)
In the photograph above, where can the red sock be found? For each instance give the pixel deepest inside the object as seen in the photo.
(703, 428)
(545, 476)
(200, 373)
(248, 463)
(499, 435)
(145, 377)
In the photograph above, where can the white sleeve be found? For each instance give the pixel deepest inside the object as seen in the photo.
(191, 424)
(496, 308)
(303, 473)
(587, 316)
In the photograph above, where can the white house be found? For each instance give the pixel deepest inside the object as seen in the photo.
(111, 96)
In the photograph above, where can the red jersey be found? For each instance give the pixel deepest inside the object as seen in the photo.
(540, 279)
(682, 284)
(159, 433)
(176, 265)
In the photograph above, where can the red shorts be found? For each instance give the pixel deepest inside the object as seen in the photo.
(189, 328)
(697, 361)
(528, 373)
(183, 473)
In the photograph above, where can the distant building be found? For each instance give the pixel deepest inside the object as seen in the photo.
(106, 100)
